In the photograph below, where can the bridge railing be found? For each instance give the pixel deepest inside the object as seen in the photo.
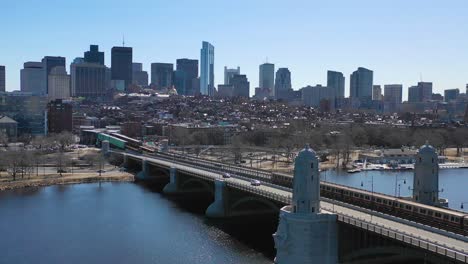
(424, 243)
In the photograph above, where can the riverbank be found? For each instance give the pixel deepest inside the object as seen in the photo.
(75, 178)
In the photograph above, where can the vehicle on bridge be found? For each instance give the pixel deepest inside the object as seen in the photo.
(226, 175)
(255, 183)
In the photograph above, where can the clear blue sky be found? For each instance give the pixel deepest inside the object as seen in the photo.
(399, 39)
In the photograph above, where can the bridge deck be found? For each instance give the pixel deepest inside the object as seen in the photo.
(432, 239)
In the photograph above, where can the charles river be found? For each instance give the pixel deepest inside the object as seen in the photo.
(133, 223)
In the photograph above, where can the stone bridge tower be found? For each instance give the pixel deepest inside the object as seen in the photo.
(426, 176)
(306, 234)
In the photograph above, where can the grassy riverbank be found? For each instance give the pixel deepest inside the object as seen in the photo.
(115, 176)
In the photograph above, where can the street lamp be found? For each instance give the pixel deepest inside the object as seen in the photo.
(397, 183)
(461, 206)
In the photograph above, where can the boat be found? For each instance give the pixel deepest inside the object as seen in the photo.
(354, 170)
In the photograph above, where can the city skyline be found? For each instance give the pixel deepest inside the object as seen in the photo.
(398, 51)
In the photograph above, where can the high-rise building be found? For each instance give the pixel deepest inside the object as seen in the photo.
(282, 83)
(29, 111)
(186, 77)
(2, 79)
(241, 85)
(225, 90)
(229, 73)
(377, 93)
(32, 78)
(451, 94)
(161, 75)
(336, 82)
(207, 69)
(94, 55)
(140, 77)
(393, 96)
(420, 93)
(88, 79)
(121, 65)
(315, 95)
(266, 79)
(361, 83)
(59, 116)
(49, 63)
(59, 83)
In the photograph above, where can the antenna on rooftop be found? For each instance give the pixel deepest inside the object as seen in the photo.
(420, 76)
(123, 40)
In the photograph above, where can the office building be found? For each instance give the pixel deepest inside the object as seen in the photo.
(361, 83)
(59, 116)
(32, 78)
(377, 93)
(420, 93)
(162, 74)
(121, 65)
(59, 83)
(139, 76)
(393, 97)
(88, 79)
(229, 73)
(186, 77)
(8, 128)
(336, 82)
(2, 79)
(241, 86)
(282, 83)
(225, 91)
(314, 96)
(26, 109)
(207, 69)
(94, 55)
(49, 63)
(266, 78)
(451, 94)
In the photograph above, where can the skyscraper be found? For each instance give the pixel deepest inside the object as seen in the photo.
(139, 76)
(377, 93)
(266, 78)
(88, 79)
(336, 82)
(49, 63)
(207, 69)
(282, 83)
(393, 96)
(186, 77)
(361, 84)
(33, 78)
(121, 64)
(161, 75)
(59, 83)
(94, 55)
(241, 86)
(229, 73)
(2, 79)
(420, 93)
(451, 94)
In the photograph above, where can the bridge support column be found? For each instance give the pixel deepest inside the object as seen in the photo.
(173, 185)
(306, 238)
(218, 209)
(125, 161)
(144, 173)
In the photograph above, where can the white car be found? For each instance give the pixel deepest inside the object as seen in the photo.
(226, 175)
(255, 183)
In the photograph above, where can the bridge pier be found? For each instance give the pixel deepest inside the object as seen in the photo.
(218, 209)
(173, 186)
(144, 173)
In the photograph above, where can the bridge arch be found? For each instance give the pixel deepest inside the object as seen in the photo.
(196, 184)
(254, 203)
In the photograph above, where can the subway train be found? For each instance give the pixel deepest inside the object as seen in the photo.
(442, 218)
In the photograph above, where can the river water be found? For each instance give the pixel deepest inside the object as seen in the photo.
(114, 223)
(452, 182)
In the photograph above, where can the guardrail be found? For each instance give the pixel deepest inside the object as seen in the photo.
(411, 239)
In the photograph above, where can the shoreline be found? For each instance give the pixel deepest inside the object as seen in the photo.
(75, 179)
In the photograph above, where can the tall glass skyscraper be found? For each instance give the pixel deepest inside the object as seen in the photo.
(2, 79)
(207, 69)
(282, 83)
(121, 64)
(186, 77)
(267, 77)
(94, 55)
(33, 78)
(361, 84)
(50, 62)
(161, 75)
(336, 81)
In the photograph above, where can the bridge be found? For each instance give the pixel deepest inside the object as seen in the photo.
(236, 196)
